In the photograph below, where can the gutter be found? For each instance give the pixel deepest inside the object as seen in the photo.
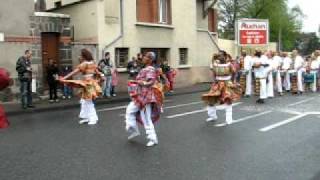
(121, 30)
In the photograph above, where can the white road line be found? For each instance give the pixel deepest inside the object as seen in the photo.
(195, 112)
(122, 107)
(300, 102)
(244, 118)
(287, 121)
(175, 106)
(290, 111)
(112, 109)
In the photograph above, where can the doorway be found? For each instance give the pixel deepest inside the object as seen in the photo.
(50, 50)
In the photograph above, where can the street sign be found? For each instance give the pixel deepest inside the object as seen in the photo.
(1, 37)
(252, 32)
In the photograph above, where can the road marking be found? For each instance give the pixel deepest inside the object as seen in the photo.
(287, 121)
(244, 118)
(300, 102)
(290, 111)
(175, 106)
(112, 109)
(195, 112)
(122, 107)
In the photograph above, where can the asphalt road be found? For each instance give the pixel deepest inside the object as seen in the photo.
(275, 141)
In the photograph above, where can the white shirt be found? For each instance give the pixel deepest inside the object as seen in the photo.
(298, 63)
(314, 64)
(261, 72)
(286, 63)
(277, 62)
(248, 63)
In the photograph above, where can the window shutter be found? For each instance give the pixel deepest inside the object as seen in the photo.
(147, 11)
(213, 20)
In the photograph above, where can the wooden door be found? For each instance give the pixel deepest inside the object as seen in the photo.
(50, 50)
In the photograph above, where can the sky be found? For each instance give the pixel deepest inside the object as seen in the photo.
(312, 11)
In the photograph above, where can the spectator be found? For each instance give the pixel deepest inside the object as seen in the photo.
(5, 81)
(115, 79)
(105, 67)
(67, 90)
(24, 69)
(52, 76)
(133, 68)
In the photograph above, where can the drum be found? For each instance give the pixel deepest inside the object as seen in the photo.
(257, 86)
(133, 88)
(222, 69)
(243, 82)
(294, 81)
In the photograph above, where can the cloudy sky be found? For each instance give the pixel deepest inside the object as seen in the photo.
(311, 8)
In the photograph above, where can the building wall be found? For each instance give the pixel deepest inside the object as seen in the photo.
(14, 17)
(84, 20)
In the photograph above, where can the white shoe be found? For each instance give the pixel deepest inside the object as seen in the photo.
(212, 119)
(229, 122)
(151, 143)
(92, 122)
(82, 121)
(133, 133)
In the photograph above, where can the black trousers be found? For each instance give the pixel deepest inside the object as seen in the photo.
(53, 90)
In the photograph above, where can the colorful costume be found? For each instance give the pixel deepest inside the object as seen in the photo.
(4, 82)
(145, 106)
(90, 90)
(223, 91)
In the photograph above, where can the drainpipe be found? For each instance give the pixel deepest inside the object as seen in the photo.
(121, 30)
(213, 40)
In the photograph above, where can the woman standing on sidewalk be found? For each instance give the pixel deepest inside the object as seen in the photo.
(52, 75)
(146, 102)
(4, 82)
(90, 89)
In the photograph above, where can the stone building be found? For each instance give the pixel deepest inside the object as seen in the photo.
(48, 35)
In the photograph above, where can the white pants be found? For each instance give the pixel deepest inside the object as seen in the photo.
(263, 89)
(249, 83)
(270, 92)
(279, 82)
(212, 112)
(88, 111)
(145, 115)
(314, 84)
(287, 82)
(300, 80)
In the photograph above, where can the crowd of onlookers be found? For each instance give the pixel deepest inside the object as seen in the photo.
(53, 72)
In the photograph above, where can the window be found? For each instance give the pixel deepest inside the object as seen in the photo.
(154, 11)
(121, 57)
(213, 20)
(183, 56)
(161, 53)
(57, 4)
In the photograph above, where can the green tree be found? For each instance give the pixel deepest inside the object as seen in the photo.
(285, 23)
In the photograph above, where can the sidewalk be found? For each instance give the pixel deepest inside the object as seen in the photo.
(43, 106)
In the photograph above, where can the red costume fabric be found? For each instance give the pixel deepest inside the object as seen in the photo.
(4, 82)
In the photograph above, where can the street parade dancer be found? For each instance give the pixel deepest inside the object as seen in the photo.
(298, 62)
(260, 65)
(5, 81)
(147, 100)
(223, 90)
(90, 88)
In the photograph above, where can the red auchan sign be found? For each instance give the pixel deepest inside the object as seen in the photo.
(253, 32)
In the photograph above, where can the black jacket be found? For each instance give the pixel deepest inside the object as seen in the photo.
(52, 71)
(21, 67)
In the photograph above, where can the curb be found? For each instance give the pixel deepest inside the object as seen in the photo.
(76, 105)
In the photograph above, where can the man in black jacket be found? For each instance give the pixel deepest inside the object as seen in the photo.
(24, 70)
(52, 75)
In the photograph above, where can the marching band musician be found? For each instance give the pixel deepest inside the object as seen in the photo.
(260, 64)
